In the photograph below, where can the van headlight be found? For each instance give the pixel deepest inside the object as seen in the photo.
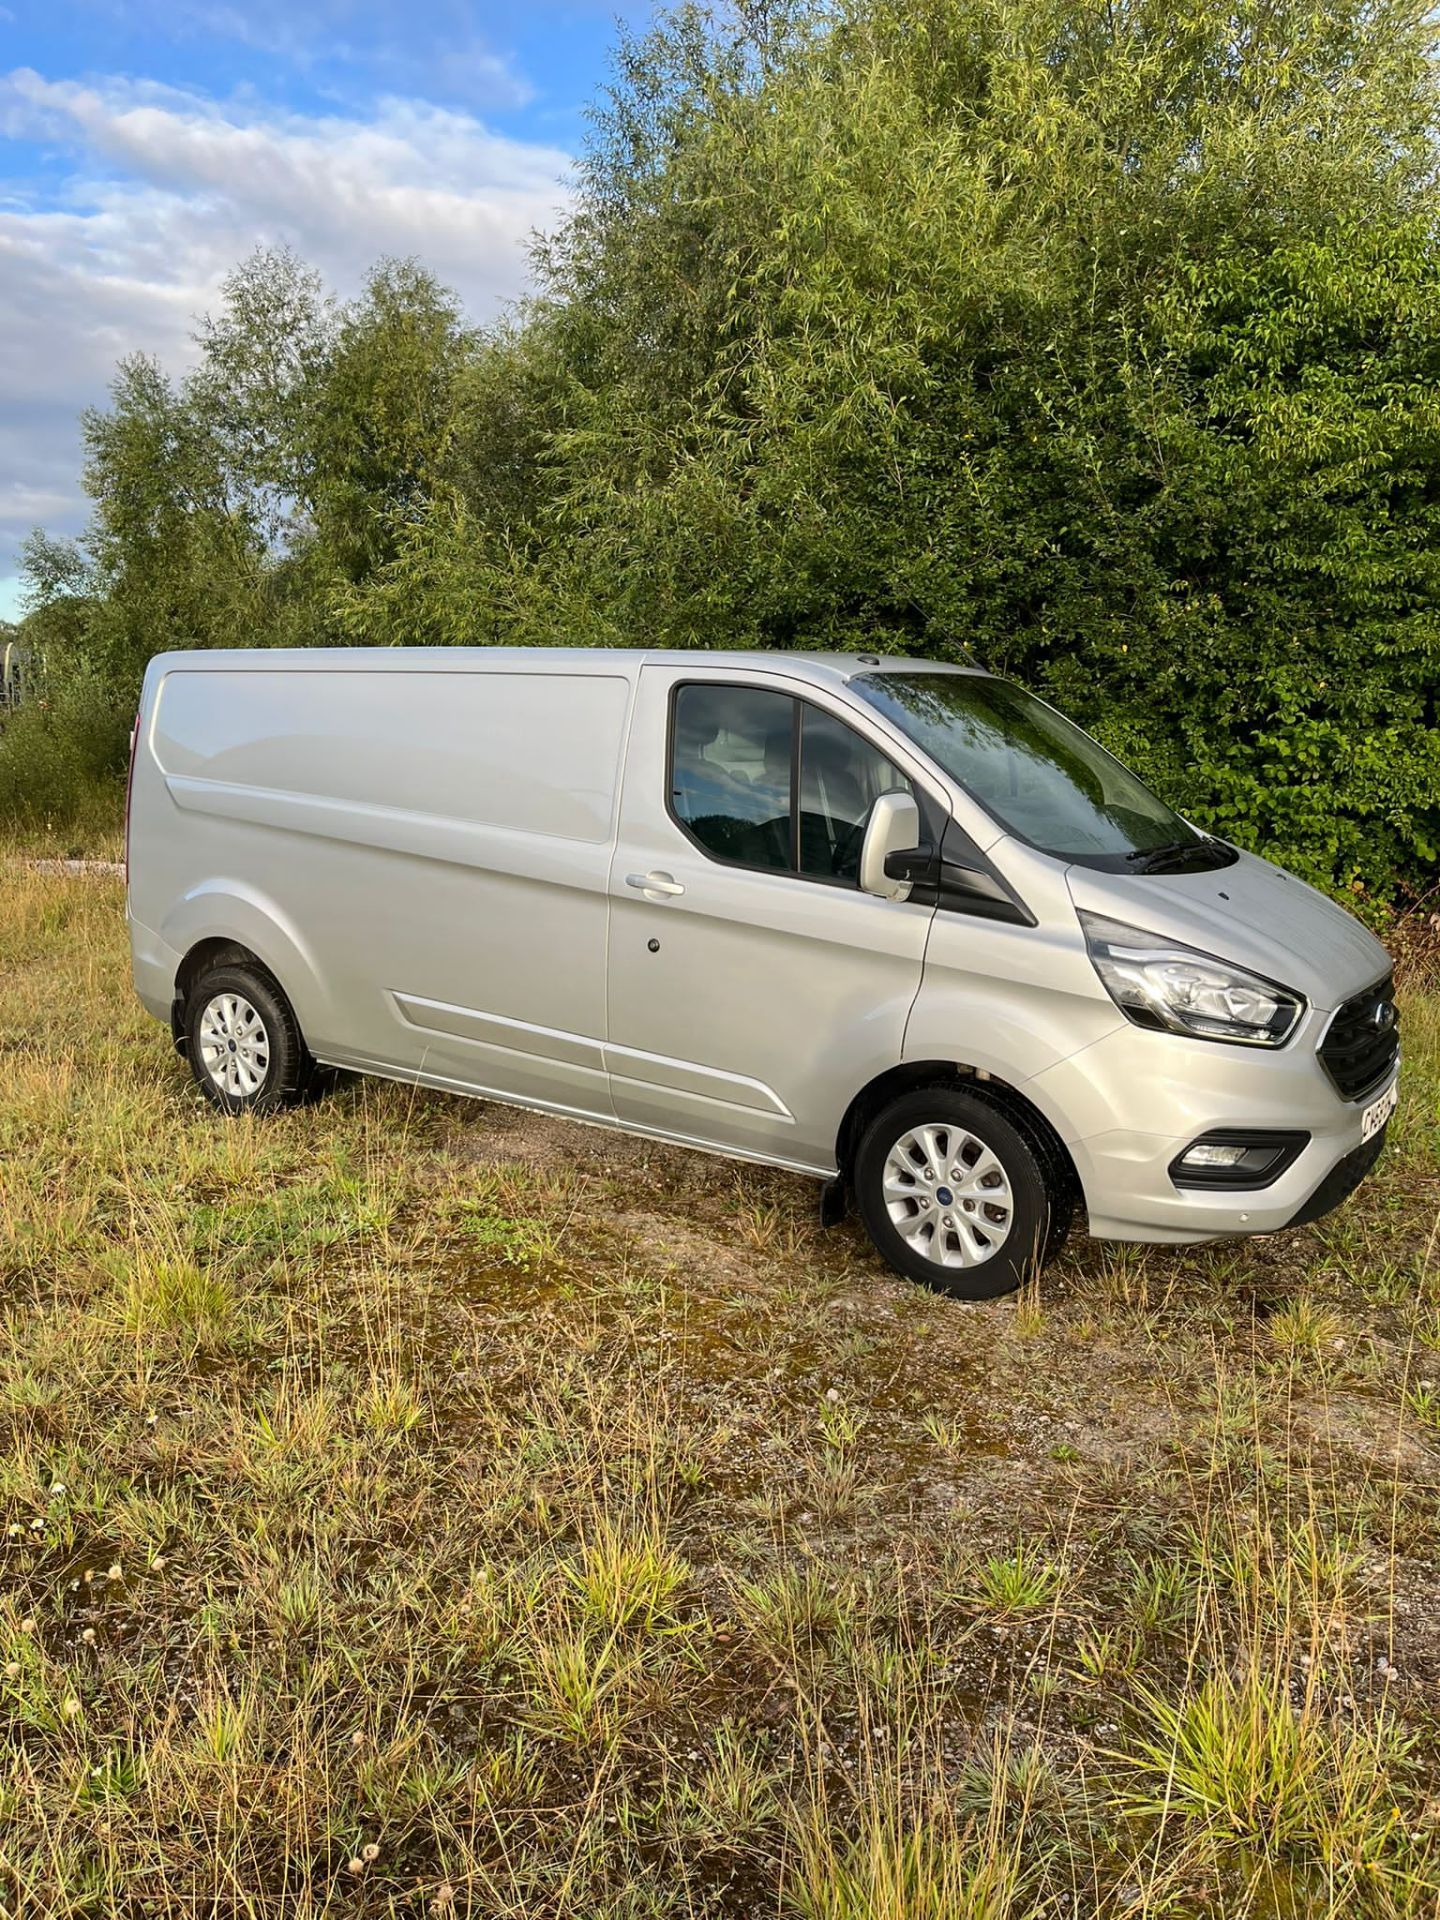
(1158, 983)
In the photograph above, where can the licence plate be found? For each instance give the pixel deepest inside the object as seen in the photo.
(1378, 1112)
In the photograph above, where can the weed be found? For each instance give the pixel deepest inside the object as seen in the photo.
(518, 1242)
(840, 1426)
(1302, 1325)
(1251, 1762)
(625, 1580)
(792, 1610)
(390, 1404)
(577, 1681)
(945, 1430)
(176, 1297)
(1021, 1582)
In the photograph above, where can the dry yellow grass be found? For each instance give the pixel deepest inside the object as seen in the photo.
(410, 1507)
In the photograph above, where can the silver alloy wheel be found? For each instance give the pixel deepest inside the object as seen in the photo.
(948, 1196)
(234, 1046)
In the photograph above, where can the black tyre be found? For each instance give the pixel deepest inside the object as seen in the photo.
(956, 1195)
(243, 1041)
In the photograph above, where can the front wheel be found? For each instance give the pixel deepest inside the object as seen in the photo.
(954, 1195)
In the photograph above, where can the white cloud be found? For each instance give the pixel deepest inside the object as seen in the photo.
(348, 42)
(168, 190)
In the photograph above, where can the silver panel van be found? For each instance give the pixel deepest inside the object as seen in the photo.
(897, 925)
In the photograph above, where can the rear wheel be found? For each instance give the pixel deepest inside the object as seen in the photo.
(244, 1043)
(955, 1195)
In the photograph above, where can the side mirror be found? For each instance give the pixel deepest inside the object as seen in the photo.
(893, 827)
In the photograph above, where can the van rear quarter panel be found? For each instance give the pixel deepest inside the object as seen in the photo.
(374, 833)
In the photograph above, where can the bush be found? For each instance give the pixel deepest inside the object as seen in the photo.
(62, 756)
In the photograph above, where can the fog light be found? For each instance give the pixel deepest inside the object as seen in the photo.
(1237, 1158)
(1213, 1153)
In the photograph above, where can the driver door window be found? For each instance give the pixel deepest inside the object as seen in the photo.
(731, 750)
(745, 795)
(841, 778)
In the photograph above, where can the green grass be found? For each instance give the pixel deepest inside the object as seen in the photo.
(1024, 1581)
(412, 1507)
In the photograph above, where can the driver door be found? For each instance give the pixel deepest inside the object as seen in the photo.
(753, 988)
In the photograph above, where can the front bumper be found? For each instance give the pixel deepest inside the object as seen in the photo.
(1127, 1105)
(1341, 1181)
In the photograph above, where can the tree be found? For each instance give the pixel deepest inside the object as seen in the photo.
(1091, 339)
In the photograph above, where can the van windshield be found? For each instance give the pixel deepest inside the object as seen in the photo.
(1038, 774)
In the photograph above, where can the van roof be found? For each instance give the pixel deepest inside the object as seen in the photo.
(818, 667)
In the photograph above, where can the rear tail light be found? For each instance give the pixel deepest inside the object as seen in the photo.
(129, 789)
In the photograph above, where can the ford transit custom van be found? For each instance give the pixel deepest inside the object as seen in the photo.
(896, 925)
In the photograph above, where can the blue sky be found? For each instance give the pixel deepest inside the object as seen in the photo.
(147, 145)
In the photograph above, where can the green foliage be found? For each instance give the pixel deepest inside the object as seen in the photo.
(1097, 342)
(56, 752)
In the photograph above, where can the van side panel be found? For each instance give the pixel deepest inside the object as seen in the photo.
(425, 854)
(534, 752)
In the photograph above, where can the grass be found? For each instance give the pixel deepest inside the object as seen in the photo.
(1019, 1582)
(413, 1507)
(1238, 1759)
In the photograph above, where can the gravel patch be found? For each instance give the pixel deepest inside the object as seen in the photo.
(110, 868)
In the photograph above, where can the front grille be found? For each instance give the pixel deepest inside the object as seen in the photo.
(1362, 1040)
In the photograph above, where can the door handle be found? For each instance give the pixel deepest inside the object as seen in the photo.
(654, 883)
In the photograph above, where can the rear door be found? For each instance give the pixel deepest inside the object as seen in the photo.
(753, 989)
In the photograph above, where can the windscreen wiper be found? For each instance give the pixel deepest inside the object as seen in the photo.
(1172, 858)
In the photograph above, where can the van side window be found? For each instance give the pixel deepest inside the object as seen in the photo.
(730, 772)
(841, 778)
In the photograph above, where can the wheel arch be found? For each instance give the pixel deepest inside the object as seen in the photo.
(217, 950)
(226, 916)
(1038, 1128)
